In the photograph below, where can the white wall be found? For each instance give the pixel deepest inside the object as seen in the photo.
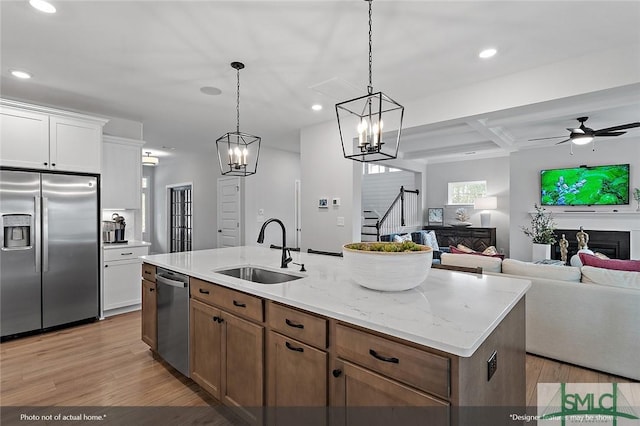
(200, 170)
(326, 173)
(272, 190)
(494, 170)
(380, 189)
(525, 188)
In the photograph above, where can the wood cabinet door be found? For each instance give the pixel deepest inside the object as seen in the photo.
(75, 145)
(205, 346)
(372, 399)
(149, 314)
(25, 138)
(243, 366)
(296, 374)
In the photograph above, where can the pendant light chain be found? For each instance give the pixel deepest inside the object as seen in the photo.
(370, 87)
(238, 102)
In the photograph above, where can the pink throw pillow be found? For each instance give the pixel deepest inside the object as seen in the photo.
(617, 264)
(455, 250)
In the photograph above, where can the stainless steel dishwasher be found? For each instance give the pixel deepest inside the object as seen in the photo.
(173, 318)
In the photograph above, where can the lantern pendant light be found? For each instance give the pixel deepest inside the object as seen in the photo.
(237, 151)
(370, 125)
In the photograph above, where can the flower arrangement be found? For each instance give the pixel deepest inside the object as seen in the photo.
(542, 227)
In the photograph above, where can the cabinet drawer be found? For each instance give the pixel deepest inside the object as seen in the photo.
(230, 300)
(302, 326)
(149, 272)
(124, 253)
(424, 370)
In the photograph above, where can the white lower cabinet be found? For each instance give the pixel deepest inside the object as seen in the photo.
(121, 280)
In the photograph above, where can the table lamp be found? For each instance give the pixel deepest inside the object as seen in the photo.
(485, 204)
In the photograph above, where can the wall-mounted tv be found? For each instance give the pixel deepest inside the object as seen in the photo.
(585, 186)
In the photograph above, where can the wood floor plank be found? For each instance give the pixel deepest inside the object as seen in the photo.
(106, 364)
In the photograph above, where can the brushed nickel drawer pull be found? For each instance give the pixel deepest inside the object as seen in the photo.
(126, 254)
(293, 324)
(374, 354)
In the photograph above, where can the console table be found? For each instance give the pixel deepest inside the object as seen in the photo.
(476, 238)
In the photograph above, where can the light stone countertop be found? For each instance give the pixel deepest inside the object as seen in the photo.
(450, 311)
(130, 243)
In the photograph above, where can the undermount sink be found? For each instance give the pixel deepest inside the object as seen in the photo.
(259, 275)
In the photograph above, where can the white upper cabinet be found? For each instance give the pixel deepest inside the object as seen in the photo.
(43, 138)
(74, 145)
(25, 138)
(121, 173)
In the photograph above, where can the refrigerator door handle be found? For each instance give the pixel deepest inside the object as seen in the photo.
(36, 238)
(45, 234)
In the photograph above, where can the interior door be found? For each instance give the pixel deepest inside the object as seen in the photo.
(229, 212)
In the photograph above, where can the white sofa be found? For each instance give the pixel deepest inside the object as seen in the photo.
(585, 316)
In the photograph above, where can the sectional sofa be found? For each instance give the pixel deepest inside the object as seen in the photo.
(586, 316)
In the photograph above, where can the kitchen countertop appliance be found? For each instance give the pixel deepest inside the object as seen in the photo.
(50, 250)
(173, 318)
(113, 230)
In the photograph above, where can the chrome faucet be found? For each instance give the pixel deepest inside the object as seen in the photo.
(285, 259)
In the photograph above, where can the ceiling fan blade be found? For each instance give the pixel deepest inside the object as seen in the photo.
(552, 137)
(566, 140)
(609, 133)
(614, 128)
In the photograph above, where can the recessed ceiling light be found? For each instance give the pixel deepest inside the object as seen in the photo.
(316, 107)
(42, 6)
(20, 74)
(209, 90)
(487, 53)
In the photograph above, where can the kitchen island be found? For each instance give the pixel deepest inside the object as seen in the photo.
(457, 340)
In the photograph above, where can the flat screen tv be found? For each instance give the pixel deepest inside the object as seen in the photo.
(585, 186)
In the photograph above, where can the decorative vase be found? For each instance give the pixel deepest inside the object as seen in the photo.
(540, 252)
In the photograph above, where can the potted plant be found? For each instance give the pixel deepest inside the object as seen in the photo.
(541, 233)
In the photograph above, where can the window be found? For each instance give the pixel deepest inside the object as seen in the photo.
(466, 192)
(181, 218)
(145, 190)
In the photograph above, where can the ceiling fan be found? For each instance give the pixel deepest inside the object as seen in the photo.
(583, 135)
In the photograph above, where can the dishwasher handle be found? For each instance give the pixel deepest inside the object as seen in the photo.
(174, 283)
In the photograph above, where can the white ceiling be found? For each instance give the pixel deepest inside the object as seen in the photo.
(147, 60)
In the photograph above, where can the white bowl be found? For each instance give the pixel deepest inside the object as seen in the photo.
(388, 271)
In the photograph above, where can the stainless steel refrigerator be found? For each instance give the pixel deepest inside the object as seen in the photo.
(49, 254)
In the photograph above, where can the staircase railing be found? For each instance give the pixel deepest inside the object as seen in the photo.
(403, 211)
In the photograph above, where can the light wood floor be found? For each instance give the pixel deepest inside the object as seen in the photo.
(106, 364)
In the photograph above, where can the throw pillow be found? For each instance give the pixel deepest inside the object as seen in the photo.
(616, 264)
(429, 239)
(490, 251)
(464, 249)
(600, 255)
(456, 250)
(402, 238)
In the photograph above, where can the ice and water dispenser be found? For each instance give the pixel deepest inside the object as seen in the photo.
(17, 231)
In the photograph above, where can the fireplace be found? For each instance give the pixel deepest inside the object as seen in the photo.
(613, 244)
